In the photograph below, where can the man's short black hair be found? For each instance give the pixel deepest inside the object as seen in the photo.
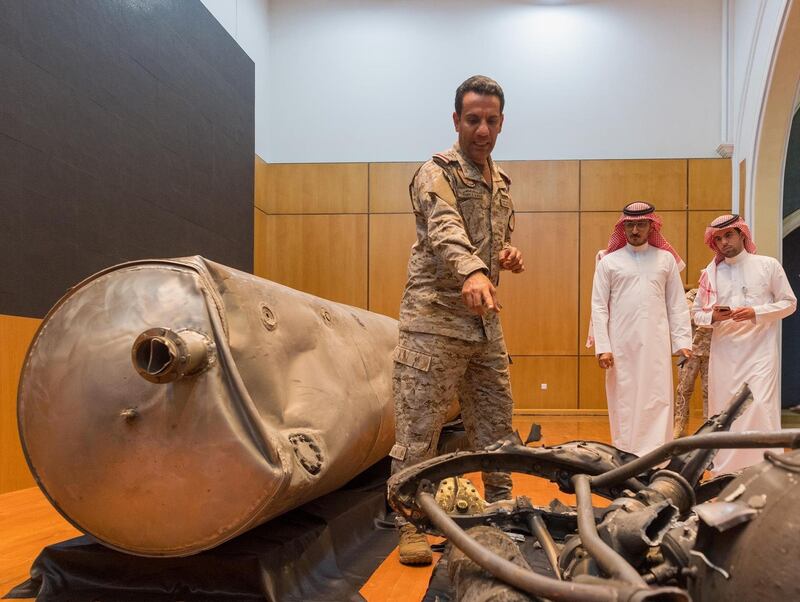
(480, 84)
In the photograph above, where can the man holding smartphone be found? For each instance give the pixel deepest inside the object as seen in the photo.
(743, 297)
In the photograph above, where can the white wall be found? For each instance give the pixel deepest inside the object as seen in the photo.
(755, 25)
(247, 21)
(354, 80)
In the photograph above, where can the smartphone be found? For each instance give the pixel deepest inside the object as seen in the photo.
(723, 309)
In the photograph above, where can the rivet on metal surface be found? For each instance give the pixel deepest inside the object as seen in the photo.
(268, 318)
(129, 414)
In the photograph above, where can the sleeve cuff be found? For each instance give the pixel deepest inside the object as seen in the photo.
(681, 344)
(471, 264)
(702, 318)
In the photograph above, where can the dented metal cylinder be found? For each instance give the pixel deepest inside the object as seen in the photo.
(166, 406)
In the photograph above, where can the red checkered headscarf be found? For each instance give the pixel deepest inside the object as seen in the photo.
(723, 222)
(634, 212)
(708, 278)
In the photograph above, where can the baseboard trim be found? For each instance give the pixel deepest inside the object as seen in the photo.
(577, 412)
(559, 412)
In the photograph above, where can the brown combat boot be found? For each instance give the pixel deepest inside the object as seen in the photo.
(414, 547)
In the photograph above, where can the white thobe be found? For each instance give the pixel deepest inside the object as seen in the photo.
(639, 314)
(746, 352)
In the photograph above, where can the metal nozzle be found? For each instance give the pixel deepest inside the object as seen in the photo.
(161, 355)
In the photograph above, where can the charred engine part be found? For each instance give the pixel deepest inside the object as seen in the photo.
(582, 590)
(691, 466)
(751, 552)
(471, 583)
(539, 530)
(712, 441)
(166, 406)
(649, 543)
(631, 527)
(609, 560)
(556, 464)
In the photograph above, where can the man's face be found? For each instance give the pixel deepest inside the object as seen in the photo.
(478, 125)
(730, 242)
(636, 232)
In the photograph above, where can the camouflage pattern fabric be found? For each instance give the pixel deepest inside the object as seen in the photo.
(687, 374)
(429, 372)
(462, 225)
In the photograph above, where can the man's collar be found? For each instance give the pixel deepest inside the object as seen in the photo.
(637, 249)
(742, 256)
(471, 171)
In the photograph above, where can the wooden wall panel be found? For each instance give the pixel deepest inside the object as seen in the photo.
(699, 253)
(316, 188)
(16, 334)
(674, 231)
(260, 249)
(261, 174)
(558, 374)
(544, 185)
(610, 185)
(710, 184)
(565, 213)
(388, 187)
(591, 385)
(390, 240)
(325, 255)
(595, 229)
(540, 306)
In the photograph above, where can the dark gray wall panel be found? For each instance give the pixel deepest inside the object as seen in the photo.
(126, 132)
(791, 175)
(790, 380)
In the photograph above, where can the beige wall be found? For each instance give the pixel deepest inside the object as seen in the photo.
(344, 231)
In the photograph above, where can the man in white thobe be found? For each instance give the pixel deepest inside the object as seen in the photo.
(743, 297)
(639, 319)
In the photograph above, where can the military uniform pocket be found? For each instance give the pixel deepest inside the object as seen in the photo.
(474, 216)
(414, 359)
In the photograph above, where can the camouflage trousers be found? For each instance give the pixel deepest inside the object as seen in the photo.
(430, 371)
(687, 375)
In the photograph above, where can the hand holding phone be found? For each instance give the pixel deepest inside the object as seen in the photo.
(720, 313)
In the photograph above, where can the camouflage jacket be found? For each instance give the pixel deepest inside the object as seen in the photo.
(701, 339)
(462, 225)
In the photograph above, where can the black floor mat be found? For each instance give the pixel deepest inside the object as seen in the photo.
(322, 551)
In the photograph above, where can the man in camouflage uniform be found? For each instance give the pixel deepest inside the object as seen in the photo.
(687, 373)
(451, 343)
